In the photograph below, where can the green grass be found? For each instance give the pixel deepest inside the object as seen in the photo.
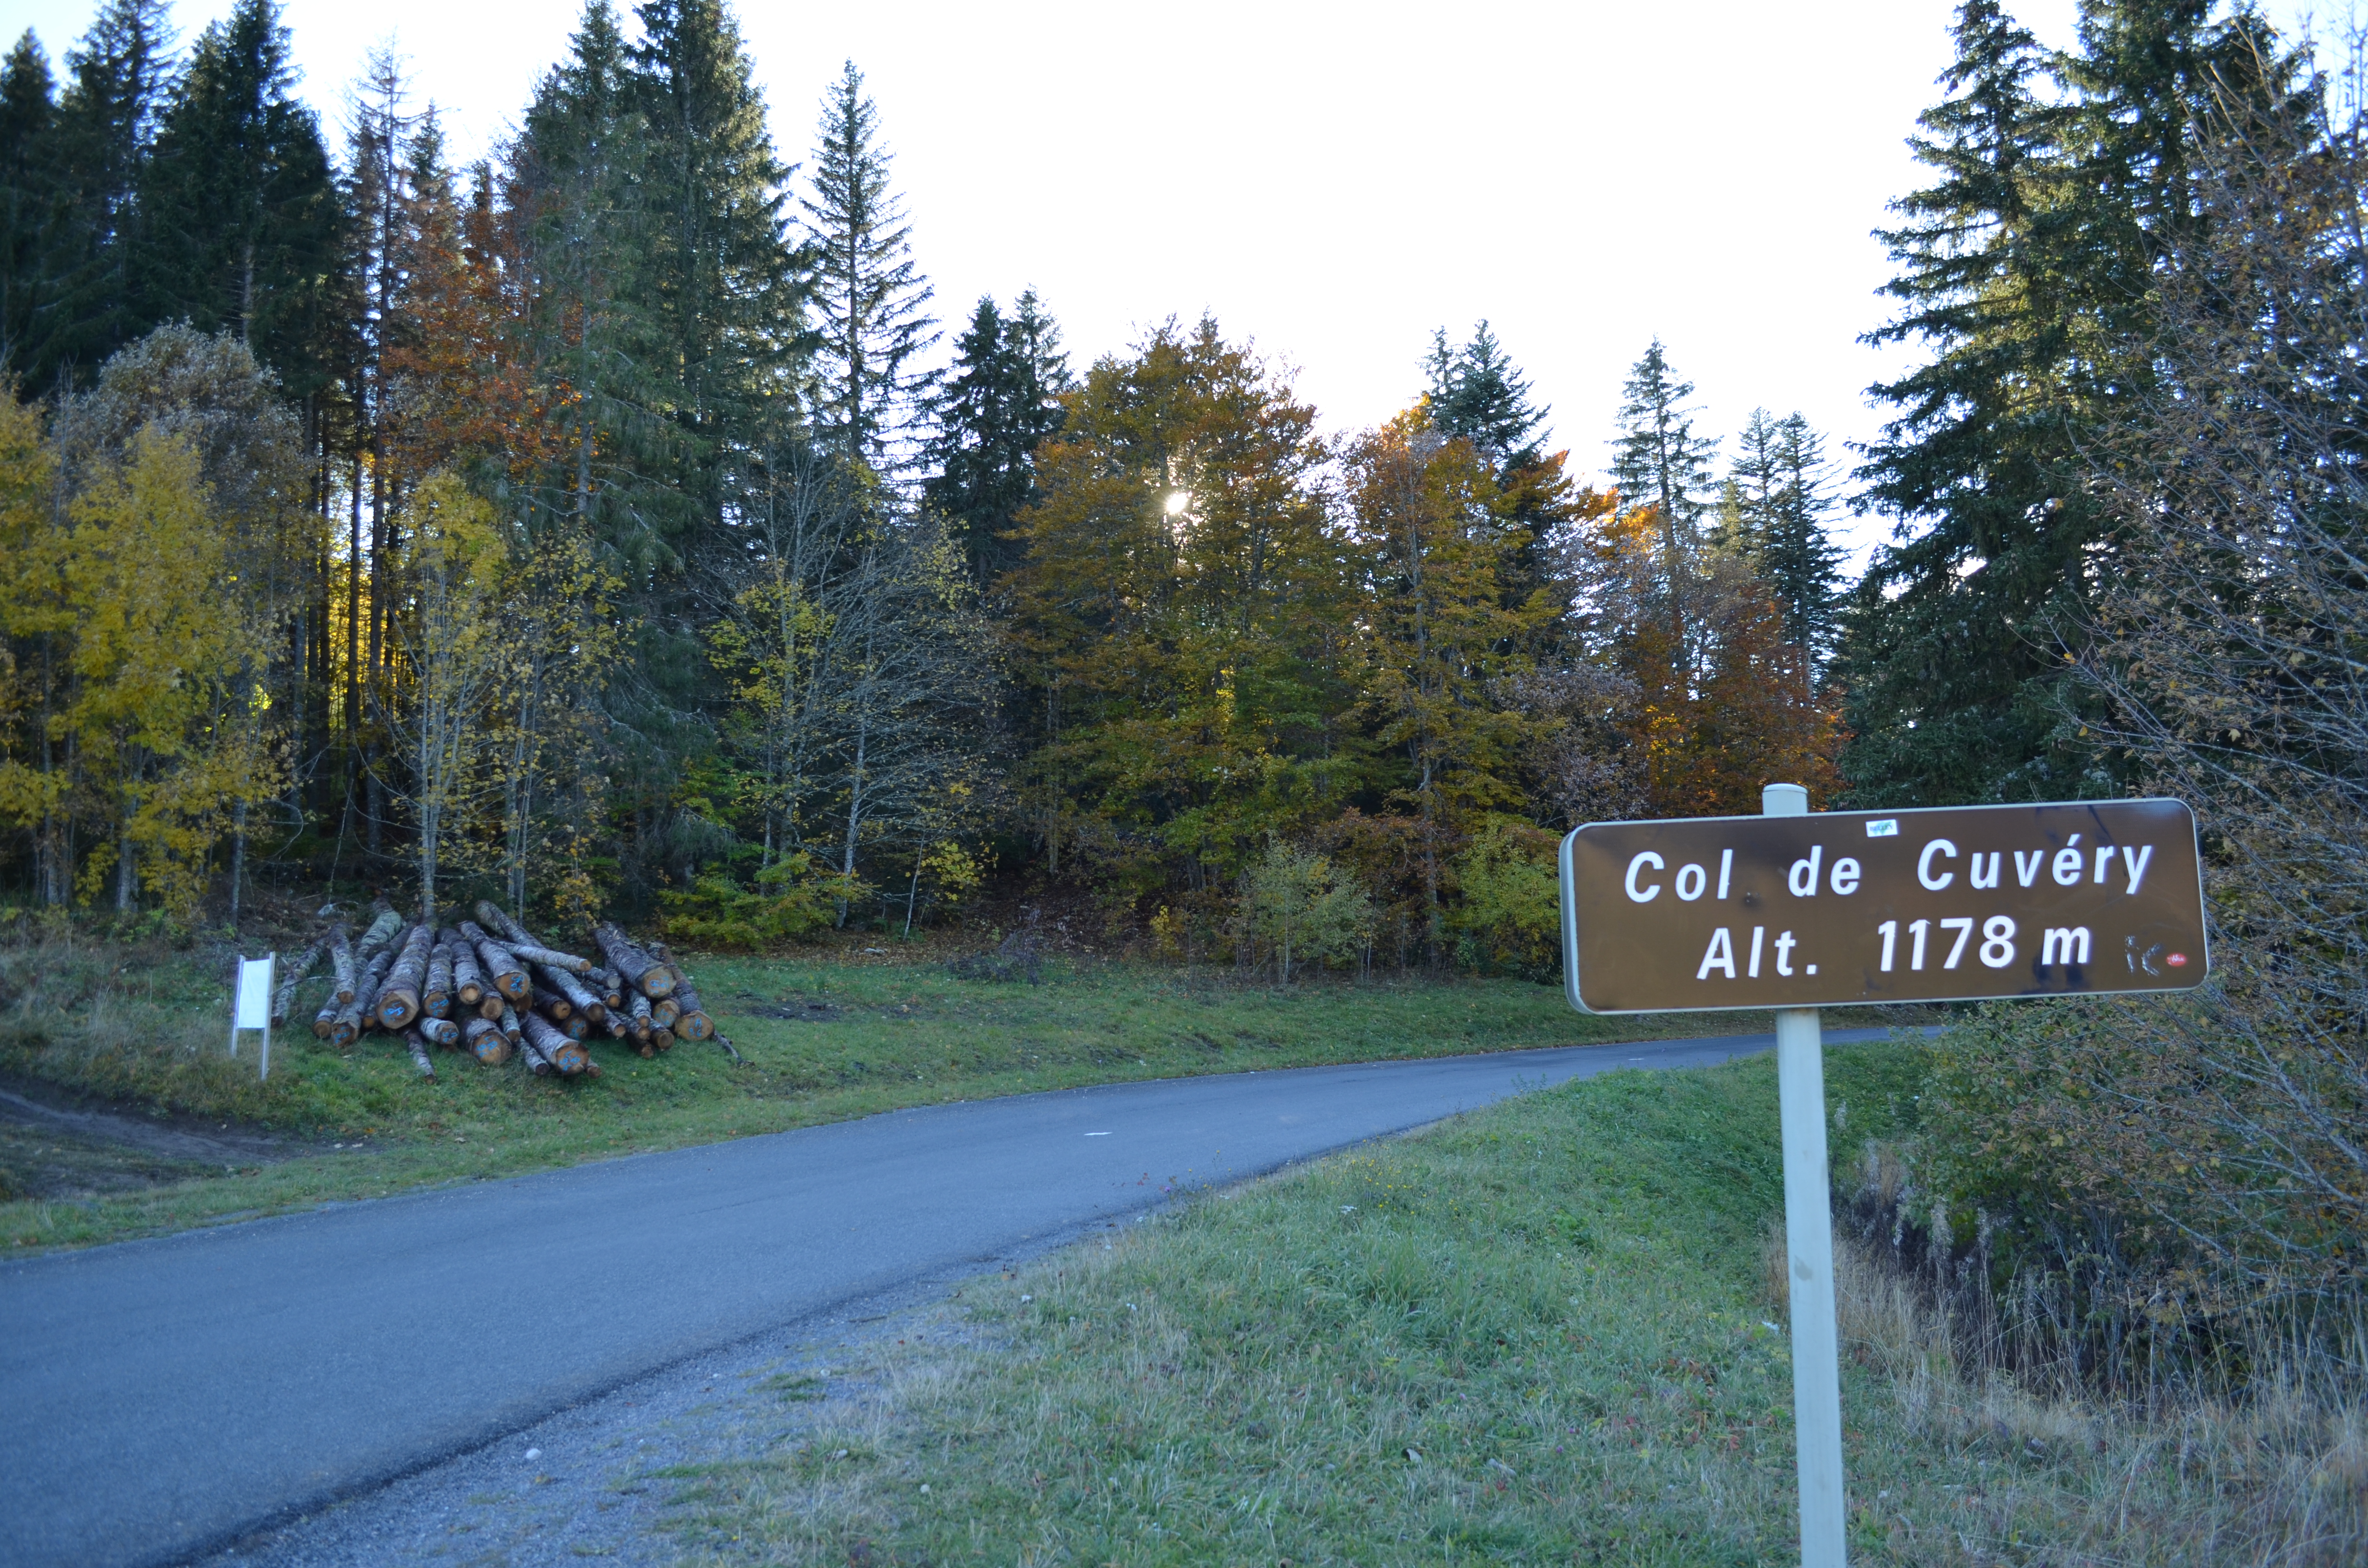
(146, 1026)
(1540, 1335)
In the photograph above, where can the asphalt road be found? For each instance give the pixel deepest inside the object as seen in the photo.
(160, 1398)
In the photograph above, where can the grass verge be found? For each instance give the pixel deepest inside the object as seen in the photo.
(826, 1038)
(1540, 1334)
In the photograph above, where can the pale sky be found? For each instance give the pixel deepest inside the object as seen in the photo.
(1334, 181)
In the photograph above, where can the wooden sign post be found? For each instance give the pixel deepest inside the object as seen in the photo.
(1795, 911)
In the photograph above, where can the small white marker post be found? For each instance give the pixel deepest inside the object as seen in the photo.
(1809, 1243)
(251, 1005)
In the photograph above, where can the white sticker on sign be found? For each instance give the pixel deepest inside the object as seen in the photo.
(1888, 828)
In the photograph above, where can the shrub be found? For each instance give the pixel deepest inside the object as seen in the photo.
(1299, 907)
(1508, 919)
(788, 903)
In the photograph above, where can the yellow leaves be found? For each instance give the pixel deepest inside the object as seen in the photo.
(453, 533)
(161, 648)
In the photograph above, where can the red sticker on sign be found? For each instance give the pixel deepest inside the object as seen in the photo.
(2175, 960)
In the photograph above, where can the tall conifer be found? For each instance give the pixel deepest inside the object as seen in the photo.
(29, 210)
(239, 207)
(2026, 265)
(712, 284)
(868, 292)
(1002, 399)
(1478, 394)
(116, 79)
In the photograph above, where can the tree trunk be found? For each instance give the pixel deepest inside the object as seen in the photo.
(484, 1039)
(341, 956)
(644, 975)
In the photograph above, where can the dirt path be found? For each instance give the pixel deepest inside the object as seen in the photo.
(54, 1145)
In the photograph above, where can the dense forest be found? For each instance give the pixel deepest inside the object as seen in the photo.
(595, 525)
(613, 527)
(602, 524)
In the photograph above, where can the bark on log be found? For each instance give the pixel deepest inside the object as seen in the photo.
(362, 1012)
(441, 1032)
(641, 972)
(420, 1053)
(552, 1006)
(509, 1023)
(484, 1038)
(530, 1053)
(725, 1042)
(578, 995)
(436, 1001)
(611, 986)
(468, 980)
(524, 945)
(398, 1000)
(564, 1054)
(508, 975)
(382, 933)
(325, 1020)
(694, 1023)
(341, 955)
(637, 1017)
(295, 970)
(528, 952)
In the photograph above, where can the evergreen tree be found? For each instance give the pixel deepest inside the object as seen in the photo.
(1774, 517)
(1476, 394)
(869, 294)
(28, 208)
(239, 206)
(1798, 557)
(707, 285)
(1659, 464)
(103, 133)
(568, 186)
(1656, 458)
(2028, 264)
(1002, 399)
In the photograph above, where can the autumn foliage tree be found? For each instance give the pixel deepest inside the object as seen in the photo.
(1182, 619)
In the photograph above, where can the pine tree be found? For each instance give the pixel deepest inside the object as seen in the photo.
(1657, 459)
(1476, 394)
(238, 203)
(2028, 263)
(1002, 399)
(29, 206)
(710, 290)
(868, 292)
(1774, 517)
(1659, 463)
(103, 131)
(568, 189)
(1798, 557)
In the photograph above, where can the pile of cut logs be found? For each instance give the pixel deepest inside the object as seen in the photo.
(496, 996)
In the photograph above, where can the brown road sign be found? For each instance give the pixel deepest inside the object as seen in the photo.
(1941, 906)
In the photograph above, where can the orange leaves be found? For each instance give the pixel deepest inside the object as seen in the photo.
(465, 382)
